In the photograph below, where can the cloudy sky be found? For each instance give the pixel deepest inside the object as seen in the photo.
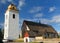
(45, 11)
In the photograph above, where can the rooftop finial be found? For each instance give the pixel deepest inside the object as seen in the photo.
(12, 7)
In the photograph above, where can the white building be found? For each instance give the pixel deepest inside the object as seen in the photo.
(11, 24)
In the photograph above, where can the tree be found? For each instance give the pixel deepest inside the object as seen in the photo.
(1, 34)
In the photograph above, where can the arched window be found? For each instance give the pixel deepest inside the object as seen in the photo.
(13, 16)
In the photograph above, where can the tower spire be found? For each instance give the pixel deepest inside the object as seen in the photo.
(12, 7)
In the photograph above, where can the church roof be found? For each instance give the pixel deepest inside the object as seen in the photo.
(39, 27)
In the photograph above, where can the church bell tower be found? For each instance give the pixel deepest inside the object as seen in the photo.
(11, 24)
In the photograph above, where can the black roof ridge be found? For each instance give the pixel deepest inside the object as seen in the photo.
(26, 21)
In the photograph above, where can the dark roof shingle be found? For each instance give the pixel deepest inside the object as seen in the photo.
(39, 27)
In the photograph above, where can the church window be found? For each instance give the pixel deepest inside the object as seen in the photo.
(13, 16)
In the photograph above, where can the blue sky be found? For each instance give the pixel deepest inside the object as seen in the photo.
(45, 11)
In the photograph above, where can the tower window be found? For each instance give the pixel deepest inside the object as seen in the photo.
(13, 16)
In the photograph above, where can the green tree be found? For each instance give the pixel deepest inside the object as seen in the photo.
(1, 34)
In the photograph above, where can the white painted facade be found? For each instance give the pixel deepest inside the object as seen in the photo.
(11, 25)
(32, 39)
(37, 38)
(26, 38)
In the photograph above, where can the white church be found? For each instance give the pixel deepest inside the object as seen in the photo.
(11, 24)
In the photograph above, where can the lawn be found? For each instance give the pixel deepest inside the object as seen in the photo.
(23, 41)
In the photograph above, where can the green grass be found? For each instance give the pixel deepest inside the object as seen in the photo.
(18, 41)
(33, 42)
(23, 41)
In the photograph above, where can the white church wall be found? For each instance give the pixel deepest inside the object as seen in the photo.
(11, 26)
(6, 23)
(31, 39)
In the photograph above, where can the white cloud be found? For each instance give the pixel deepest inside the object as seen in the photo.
(56, 19)
(1, 24)
(51, 9)
(20, 4)
(9, 0)
(38, 15)
(45, 21)
(35, 9)
(3, 1)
